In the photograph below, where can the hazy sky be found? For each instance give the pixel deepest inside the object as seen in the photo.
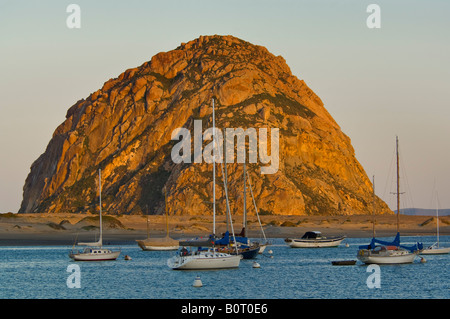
(376, 83)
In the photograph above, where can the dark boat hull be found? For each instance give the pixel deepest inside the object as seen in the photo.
(343, 262)
(250, 253)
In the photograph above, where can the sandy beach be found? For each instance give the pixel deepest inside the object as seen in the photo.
(65, 229)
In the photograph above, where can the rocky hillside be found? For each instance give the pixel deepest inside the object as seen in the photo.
(125, 129)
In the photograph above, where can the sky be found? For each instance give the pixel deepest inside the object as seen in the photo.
(377, 83)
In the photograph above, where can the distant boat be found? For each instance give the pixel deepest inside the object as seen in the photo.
(95, 250)
(201, 258)
(388, 252)
(436, 249)
(159, 243)
(343, 262)
(314, 239)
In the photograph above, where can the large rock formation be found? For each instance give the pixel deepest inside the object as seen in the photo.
(125, 129)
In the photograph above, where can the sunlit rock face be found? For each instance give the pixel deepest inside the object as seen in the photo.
(125, 129)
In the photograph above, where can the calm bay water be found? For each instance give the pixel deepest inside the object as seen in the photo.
(34, 272)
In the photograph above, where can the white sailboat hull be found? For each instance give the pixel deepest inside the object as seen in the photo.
(204, 261)
(435, 251)
(157, 248)
(396, 257)
(95, 255)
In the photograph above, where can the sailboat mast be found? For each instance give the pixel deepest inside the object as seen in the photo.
(225, 178)
(256, 208)
(214, 169)
(167, 220)
(225, 186)
(245, 204)
(100, 200)
(373, 212)
(398, 186)
(437, 220)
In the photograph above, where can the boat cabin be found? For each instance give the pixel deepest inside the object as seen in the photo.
(384, 248)
(96, 251)
(312, 235)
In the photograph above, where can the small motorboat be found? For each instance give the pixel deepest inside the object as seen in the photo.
(314, 239)
(343, 262)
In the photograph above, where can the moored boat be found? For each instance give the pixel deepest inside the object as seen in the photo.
(343, 262)
(238, 245)
(201, 259)
(386, 255)
(436, 248)
(159, 243)
(314, 239)
(388, 252)
(95, 252)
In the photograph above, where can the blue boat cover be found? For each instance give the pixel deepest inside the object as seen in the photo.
(395, 242)
(225, 240)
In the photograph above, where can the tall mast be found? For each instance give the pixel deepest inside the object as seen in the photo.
(225, 184)
(100, 200)
(398, 186)
(244, 224)
(225, 179)
(167, 218)
(437, 219)
(256, 208)
(373, 213)
(214, 169)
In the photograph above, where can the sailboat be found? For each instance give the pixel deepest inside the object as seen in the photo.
(388, 252)
(159, 243)
(314, 239)
(436, 249)
(245, 247)
(199, 258)
(95, 251)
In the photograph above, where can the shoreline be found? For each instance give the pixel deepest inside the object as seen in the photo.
(66, 229)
